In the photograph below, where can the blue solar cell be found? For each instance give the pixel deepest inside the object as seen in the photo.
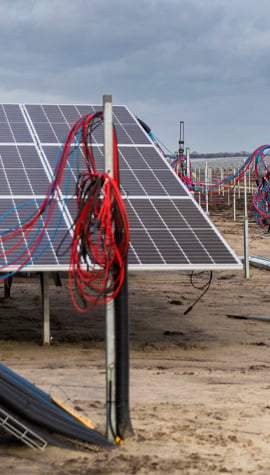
(122, 135)
(136, 135)
(38, 180)
(171, 183)
(45, 133)
(85, 110)
(18, 181)
(70, 113)
(152, 158)
(130, 184)
(10, 156)
(122, 115)
(21, 133)
(61, 131)
(36, 113)
(4, 189)
(168, 246)
(3, 117)
(6, 135)
(53, 114)
(145, 247)
(150, 183)
(29, 156)
(13, 113)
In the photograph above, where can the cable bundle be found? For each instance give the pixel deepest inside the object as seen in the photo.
(100, 243)
(203, 187)
(261, 198)
(35, 225)
(100, 232)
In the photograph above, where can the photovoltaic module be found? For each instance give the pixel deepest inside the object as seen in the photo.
(168, 229)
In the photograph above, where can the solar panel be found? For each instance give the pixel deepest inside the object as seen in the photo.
(168, 230)
(13, 128)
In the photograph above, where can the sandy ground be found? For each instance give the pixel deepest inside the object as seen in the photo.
(199, 383)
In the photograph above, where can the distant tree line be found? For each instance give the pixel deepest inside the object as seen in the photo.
(219, 154)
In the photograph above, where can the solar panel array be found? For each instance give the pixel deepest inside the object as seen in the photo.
(167, 227)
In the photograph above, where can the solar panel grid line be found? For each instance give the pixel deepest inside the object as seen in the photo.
(49, 127)
(33, 128)
(177, 242)
(133, 166)
(197, 248)
(47, 167)
(34, 233)
(193, 232)
(119, 128)
(33, 198)
(9, 128)
(133, 250)
(17, 215)
(156, 173)
(53, 231)
(153, 226)
(45, 127)
(63, 197)
(39, 149)
(13, 128)
(136, 178)
(130, 177)
(40, 118)
(205, 229)
(30, 124)
(9, 174)
(134, 121)
(169, 244)
(3, 253)
(210, 224)
(30, 130)
(147, 232)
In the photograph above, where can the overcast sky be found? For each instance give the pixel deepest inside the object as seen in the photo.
(206, 62)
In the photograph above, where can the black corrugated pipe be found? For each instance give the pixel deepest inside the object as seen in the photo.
(123, 421)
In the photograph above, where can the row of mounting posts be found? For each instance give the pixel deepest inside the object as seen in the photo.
(207, 173)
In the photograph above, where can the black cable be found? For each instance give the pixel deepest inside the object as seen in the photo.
(110, 411)
(204, 287)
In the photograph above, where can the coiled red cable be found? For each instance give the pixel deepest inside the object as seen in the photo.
(101, 233)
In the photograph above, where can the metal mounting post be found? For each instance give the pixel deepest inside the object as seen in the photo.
(111, 428)
(44, 283)
(188, 165)
(246, 243)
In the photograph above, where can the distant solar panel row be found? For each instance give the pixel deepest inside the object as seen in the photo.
(167, 228)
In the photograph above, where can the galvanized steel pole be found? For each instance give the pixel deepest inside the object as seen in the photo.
(206, 189)
(246, 245)
(111, 429)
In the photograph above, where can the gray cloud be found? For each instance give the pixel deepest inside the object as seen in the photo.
(168, 60)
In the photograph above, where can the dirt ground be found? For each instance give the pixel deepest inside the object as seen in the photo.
(199, 383)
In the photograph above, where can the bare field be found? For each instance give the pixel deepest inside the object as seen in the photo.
(199, 383)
